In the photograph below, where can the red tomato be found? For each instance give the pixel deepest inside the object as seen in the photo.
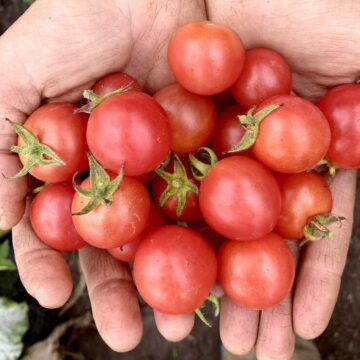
(127, 251)
(57, 126)
(229, 131)
(192, 117)
(115, 81)
(191, 212)
(175, 269)
(256, 274)
(293, 138)
(146, 178)
(341, 106)
(223, 100)
(206, 58)
(50, 217)
(265, 73)
(108, 227)
(130, 128)
(210, 235)
(240, 199)
(303, 195)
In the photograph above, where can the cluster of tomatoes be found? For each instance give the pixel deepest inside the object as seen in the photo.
(180, 176)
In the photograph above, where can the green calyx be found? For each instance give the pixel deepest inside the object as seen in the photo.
(178, 185)
(200, 168)
(251, 123)
(94, 100)
(35, 152)
(317, 229)
(331, 168)
(102, 188)
(216, 303)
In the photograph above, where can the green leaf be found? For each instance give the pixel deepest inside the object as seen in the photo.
(13, 326)
(4, 249)
(7, 265)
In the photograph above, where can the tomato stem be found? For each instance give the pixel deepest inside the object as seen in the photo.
(331, 168)
(200, 168)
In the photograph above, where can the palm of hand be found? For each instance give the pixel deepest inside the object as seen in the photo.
(57, 50)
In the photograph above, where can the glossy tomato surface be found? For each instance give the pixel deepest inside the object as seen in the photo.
(115, 81)
(265, 73)
(341, 107)
(57, 126)
(127, 251)
(293, 138)
(206, 58)
(50, 216)
(240, 198)
(192, 117)
(175, 269)
(256, 274)
(131, 128)
(108, 227)
(303, 196)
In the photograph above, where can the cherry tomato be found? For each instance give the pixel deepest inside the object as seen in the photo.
(240, 198)
(293, 138)
(108, 227)
(115, 81)
(215, 239)
(206, 58)
(57, 126)
(229, 131)
(175, 269)
(303, 195)
(192, 117)
(341, 107)
(50, 216)
(223, 100)
(256, 274)
(130, 128)
(265, 73)
(127, 251)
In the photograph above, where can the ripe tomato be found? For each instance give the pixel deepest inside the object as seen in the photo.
(108, 227)
(115, 81)
(341, 107)
(256, 274)
(175, 269)
(130, 128)
(303, 195)
(214, 239)
(192, 117)
(206, 58)
(180, 185)
(223, 100)
(57, 126)
(127, 251)
(265, 73)
(240, 199)
(293, 138)
(229, 131)
(50, 216)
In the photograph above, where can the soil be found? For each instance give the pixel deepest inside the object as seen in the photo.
(341, 340)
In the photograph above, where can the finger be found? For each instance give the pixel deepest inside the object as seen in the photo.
(43, 271)
(174, 327)
(113, 299)
(322, 265)
(238, 327)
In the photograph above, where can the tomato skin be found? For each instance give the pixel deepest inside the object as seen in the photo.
(50, 216)
(341, 106)
(229, 131)
(214, 239)
(57, 126)
(206, 58)
(293, 138)
(192, 117)
(240, 199)
(256, 274)
(126, 252)
(131, 128)
(175, 269)
(265, 73)
(108, 227)
(303, 195)
(113, 82)
(223, 100)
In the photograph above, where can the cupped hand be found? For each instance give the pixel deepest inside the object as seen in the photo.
(56, 50)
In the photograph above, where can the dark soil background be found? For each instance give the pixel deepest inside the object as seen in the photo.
(341, 340)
